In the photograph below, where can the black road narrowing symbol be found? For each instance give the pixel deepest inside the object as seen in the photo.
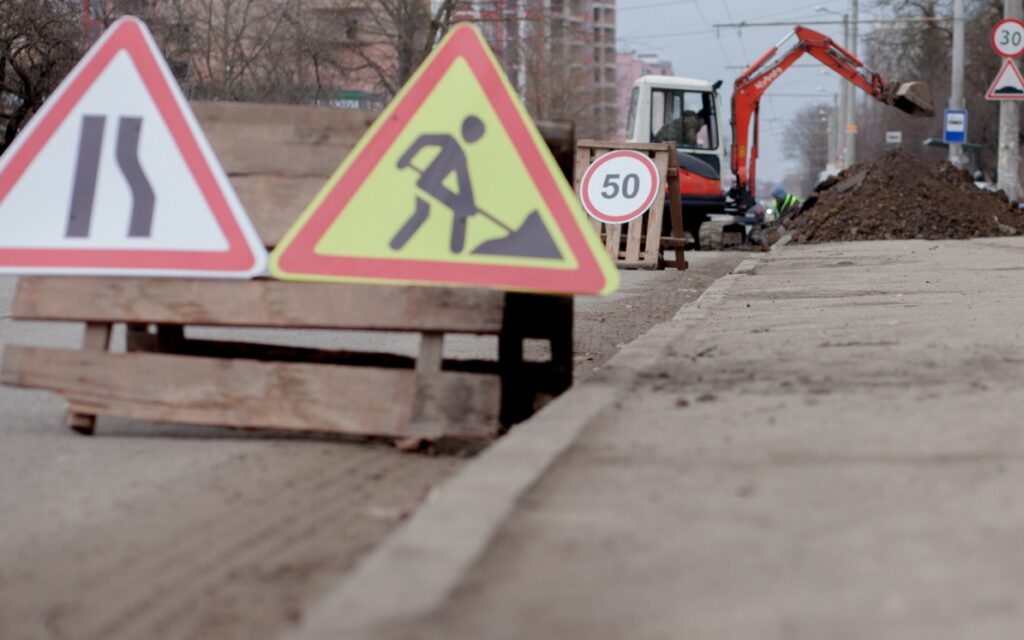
(530, 240)
(83, 189)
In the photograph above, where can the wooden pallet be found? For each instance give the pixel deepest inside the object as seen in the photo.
(277, 158)
(643, 244)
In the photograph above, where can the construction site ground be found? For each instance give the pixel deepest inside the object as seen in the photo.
(164, 531)
(827, 444)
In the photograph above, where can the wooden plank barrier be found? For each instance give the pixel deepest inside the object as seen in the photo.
(643, 245)
(277, 158)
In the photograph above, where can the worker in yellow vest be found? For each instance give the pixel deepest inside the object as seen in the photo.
(785, 203)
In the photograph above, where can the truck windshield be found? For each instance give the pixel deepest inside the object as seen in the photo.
(684, 117)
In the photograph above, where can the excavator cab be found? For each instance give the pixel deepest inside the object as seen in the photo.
(686, 112)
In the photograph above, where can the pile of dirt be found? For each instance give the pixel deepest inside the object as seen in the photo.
(897, 196)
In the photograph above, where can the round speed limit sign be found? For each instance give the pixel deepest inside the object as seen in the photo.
(1008, 38)
(619, 186)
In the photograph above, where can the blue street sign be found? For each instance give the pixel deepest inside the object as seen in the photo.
(954, 130)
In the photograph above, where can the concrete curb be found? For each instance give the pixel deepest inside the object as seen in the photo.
(413, 571)
(783, 241)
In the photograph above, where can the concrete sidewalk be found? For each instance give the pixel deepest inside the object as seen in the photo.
(828, 444)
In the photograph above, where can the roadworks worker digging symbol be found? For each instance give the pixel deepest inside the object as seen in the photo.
(452, 186)
(530, 240)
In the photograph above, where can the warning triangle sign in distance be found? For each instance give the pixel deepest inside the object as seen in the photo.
(114, 176)
(1008, 85)
(453, 185)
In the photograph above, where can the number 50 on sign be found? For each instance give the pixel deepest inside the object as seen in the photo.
(619, 186)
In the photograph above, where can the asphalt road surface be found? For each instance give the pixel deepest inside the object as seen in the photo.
(164, 531)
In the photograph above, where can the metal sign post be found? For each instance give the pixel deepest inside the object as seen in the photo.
(1008, 42)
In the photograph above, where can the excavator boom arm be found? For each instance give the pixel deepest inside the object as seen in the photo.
(913, 98)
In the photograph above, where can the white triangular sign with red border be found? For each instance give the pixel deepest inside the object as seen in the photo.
(1009, 85)
(114, 176)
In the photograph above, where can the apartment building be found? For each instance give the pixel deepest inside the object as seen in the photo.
(559, 54)
(630, 66)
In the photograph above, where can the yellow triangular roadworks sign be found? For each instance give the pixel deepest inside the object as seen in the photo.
(452, 185)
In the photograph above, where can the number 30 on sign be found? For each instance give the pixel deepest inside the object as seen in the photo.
(1008, 38)
(619, 186)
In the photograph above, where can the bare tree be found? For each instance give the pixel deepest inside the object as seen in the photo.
(308, 51)
(253, 50)
(807, 143)
(922, 51)
(558, 84)
(39, 43)
(383, 42)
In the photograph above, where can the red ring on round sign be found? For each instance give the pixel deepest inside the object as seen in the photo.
(992, 37)
(584, 183)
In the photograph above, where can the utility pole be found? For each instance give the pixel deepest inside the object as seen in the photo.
(1009, 128)
(844, 100)
(956, 94)
(833, 129)
(851, 97)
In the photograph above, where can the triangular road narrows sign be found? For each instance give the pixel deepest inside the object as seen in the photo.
(453, 185)
(1008, 85)
(114, 176)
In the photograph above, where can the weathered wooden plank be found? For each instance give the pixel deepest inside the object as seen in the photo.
(96, 337)
(431, 353)
(259, 303)
(295, 140)
(640, 264)
(583, 160)
(286, 353)
(613, 240)
(652, 251)
(676, 214)
(274, 201)
(429, 401)
(604, 145)
(633, 232)
(256, 395)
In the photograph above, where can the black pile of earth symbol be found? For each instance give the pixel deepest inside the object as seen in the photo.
(530, 240)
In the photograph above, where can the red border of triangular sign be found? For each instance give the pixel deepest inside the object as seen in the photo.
(991, 95)
(244, 257)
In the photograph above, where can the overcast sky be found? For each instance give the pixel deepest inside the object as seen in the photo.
(680, 31)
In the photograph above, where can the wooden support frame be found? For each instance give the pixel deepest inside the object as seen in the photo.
(277, 157)
(642, 243)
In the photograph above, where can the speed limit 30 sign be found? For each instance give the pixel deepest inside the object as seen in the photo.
(619, 186)
(1008, 38)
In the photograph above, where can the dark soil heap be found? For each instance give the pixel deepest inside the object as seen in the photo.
(899, 197)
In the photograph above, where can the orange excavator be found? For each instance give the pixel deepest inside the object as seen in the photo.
(686, 111)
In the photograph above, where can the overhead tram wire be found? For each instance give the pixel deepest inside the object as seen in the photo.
(773, 14)
(739, 33)
(675, 3)
(747, 25)
(702, 32)
(718, 39)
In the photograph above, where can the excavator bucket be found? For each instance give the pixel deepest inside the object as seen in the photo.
(915, 98)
